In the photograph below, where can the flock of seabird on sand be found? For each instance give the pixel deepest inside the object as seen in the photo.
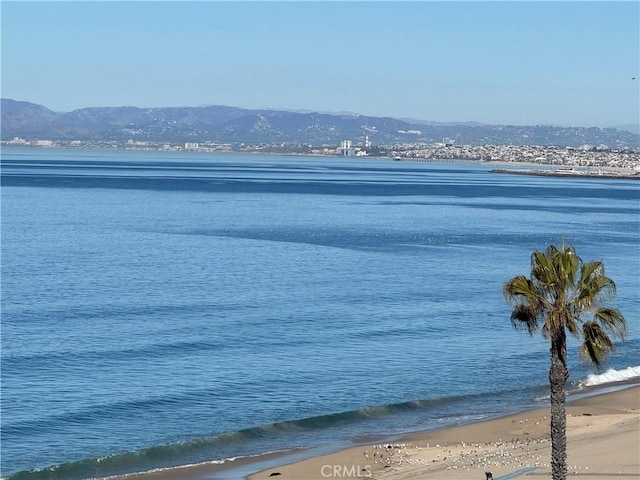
(463, 456)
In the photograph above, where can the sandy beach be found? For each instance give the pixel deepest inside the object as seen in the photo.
(603, 443)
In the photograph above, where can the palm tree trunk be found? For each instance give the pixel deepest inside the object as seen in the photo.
(558, 374)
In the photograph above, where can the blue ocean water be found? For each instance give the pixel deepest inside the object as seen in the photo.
(165, 309)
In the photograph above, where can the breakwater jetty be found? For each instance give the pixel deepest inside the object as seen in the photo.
(625, 175)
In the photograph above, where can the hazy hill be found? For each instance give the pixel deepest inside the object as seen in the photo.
(223, 124)
(629, 127)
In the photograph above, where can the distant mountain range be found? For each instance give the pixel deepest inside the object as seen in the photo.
(223, 124)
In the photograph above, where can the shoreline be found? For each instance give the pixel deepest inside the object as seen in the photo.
(513, 445)
(520, 432)
(604, 172)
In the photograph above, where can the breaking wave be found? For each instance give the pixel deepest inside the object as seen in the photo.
(611, 376)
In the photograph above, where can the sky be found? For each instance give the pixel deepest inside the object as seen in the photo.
(525, 63)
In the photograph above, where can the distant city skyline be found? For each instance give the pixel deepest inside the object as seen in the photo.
(524, 63)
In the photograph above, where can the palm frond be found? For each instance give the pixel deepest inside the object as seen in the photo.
(597, 289)
(542, 269)
(518, 289)
(571, 320)
(612, 321)
(552, 251)
(566, 265)
(597, 344)
(525, 318)
(589, 269)
(606, 289)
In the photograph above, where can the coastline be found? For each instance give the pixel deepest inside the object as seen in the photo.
(520, 167)
(515, 445)
(604, 418)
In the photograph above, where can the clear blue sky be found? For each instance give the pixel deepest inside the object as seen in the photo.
(565, 63)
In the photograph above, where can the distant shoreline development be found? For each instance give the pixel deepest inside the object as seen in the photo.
(558, 161)
(585, 161)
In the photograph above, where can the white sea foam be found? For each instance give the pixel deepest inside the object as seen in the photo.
(611, 375)
(192, 465)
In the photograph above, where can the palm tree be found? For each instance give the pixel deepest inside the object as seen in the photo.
(562, 289)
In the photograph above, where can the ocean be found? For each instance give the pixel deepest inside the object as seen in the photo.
(163, 309)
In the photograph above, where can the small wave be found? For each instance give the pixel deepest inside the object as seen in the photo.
(83, 469)
(611, 376)
(196, 451)
(192, 465)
